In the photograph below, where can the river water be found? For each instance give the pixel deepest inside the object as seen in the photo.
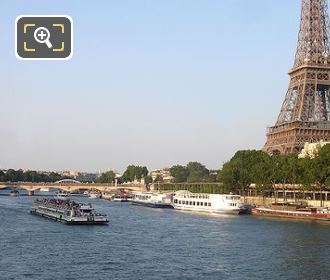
(145, 243)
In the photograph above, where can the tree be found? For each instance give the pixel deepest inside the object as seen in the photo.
(147, 180)
(243, 169)
(133, 172)
(264, 172)
(2, 176)
(159, 179)
(29, 176)
(14, 176)
(320, 168)
(179, 173)
(107, 177)
(196, 172)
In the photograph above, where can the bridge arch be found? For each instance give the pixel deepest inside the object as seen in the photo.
(67, 181)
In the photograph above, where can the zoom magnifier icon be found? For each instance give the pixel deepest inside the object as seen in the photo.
(42, 36)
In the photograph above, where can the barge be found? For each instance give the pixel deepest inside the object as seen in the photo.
(68, 212)
(293, 212)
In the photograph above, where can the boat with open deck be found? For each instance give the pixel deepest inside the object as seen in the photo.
(68, 212)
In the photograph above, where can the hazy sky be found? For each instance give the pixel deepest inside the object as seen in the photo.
(151, 82)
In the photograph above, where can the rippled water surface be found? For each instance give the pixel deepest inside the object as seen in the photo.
(144, 243)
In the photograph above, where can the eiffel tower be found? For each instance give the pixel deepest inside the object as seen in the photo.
(305, 113)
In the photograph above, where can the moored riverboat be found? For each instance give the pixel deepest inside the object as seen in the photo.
(154, 200)
(122, 198)
(14, 193)
(68, 212)
(293, 212)
(213, 203)
(62, 196)
(94, 195)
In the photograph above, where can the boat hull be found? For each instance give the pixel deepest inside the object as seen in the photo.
(152, 205)
(264, 212)
(119, 200)
(14, 194)
(214, 211)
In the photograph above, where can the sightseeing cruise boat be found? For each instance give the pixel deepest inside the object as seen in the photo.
(213, 203)
(293, 212)
(155, 200)
(68, 212)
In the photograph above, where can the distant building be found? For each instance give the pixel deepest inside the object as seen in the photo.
(311, 149)
(213, 172)
(87, 177)
(47, 173)
(71, 174)
(165, 174)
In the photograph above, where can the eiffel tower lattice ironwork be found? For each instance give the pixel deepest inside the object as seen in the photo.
(305, 113)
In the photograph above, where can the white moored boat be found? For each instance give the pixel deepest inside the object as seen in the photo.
(62, 196)
(214, 203)
(155, 200)
(94, 195)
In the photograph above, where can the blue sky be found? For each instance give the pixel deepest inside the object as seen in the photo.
(151, 82)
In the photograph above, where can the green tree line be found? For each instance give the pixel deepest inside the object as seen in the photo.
(193, 172)
(12, 175)
(131, 173)
(245, 168)
(264, 170)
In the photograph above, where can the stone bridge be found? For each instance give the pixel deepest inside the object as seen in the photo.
(72, 186)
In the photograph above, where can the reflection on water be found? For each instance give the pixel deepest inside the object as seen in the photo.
(145, 243)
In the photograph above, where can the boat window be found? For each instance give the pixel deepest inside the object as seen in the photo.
(194, 203)
(190, 202)
(197, 203)
(209, 204)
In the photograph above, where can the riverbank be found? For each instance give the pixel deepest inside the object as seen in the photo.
(267, 201)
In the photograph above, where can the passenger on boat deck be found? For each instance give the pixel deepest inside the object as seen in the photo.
(60, 203)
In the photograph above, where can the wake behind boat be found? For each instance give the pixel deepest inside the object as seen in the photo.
(68, 212)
